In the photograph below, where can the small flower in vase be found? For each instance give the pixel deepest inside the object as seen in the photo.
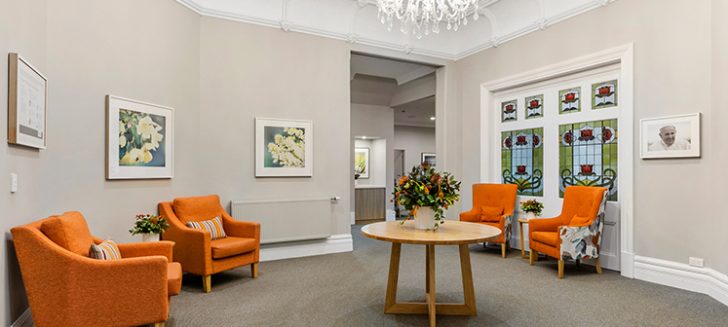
(532, 207)
(148, 225)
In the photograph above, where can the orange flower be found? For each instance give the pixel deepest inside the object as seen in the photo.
(403, 180)
(427, 189)
(413, 211)
(441, 195)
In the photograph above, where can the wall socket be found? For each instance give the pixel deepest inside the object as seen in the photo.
(696, 262)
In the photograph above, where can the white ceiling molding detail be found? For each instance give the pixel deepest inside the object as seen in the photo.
(355, 21)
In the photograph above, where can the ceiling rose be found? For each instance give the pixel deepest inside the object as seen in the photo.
(420, 17)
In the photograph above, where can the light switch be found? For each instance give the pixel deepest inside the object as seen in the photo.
(13, 182)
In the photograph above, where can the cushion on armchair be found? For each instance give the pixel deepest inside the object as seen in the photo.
(70, 232)
(549, 238)
(212, 226)
(230, 246)
(106, 250)
(492, 214)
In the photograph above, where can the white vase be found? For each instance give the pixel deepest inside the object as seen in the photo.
(425, 218)
(150, 237)
(530, 215)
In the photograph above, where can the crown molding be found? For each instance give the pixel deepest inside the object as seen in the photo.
(352, 37)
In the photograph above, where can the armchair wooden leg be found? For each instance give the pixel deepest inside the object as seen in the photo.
(561, 268)
(598, 265)
(503, 250)
(207, 283)
(532, 257)
(254, 270)
(159, 324)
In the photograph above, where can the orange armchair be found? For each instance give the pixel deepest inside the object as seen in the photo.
(576, 233)
(196, 251)
(66, 288)
(493, 205)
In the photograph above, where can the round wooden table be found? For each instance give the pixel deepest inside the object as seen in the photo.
(450, 233)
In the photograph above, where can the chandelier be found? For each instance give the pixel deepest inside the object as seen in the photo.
(424, 16)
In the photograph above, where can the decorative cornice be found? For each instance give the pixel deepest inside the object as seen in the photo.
(352, 37)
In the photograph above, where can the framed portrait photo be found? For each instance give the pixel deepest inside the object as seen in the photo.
(429, 158)
(670, 137)
(361, 163)
(27, 103)
(283, 148)
(139, 139)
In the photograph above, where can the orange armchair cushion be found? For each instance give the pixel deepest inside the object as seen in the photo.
(491, 214)
(580, 221)
(550, 238)
(197, 208)
(174, 278)
(230, 246)
(70, 231)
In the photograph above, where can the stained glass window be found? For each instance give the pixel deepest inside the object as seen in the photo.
(588, 155)
(522, 160)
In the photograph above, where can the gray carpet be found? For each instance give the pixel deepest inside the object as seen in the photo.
(347, 289)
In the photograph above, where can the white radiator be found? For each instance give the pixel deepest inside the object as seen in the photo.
(286, 220)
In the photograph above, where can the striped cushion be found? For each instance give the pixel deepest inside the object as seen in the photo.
(106, 250)
(212, 226)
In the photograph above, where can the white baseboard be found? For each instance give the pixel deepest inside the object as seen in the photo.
(25, 320)
(683, 276)
(332, 244)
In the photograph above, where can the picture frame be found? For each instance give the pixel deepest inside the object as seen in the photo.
(139, 140)
(27, 104)
(429, 158)
(670, 137)
(283, 147)
(361, 162)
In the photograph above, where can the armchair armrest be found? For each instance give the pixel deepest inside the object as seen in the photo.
(191, 246)
(472, 216)
(132, 250)
(581, 242)
(117, 285)
(545, 224)
(240, 228)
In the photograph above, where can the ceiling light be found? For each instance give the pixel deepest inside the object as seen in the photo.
(432, 118)
(422, 16)
(363, 137)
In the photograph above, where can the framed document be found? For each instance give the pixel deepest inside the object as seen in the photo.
(27, 103)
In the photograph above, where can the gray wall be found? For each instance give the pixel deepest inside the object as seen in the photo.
(677, 211)
(414, 141)
(88, 49)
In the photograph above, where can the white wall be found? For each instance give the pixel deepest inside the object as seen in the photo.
(675, 200)
(374, 121)
(414, 141)
(377, 161)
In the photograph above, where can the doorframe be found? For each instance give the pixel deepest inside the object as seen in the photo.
(622, 55)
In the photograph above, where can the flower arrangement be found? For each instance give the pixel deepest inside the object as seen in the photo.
(425, 187)
(139, 137)
(149, 224)
(288, 149)
(532, 206)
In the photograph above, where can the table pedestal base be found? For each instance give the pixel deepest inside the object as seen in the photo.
(431, 307)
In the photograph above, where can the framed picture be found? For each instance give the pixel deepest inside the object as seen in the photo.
(139, 139)
(283, 148)
(361, 163)
(670, 137)
(429, 158)
(27, 103)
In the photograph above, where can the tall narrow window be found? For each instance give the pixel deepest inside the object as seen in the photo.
(588, 155)
(522, 160)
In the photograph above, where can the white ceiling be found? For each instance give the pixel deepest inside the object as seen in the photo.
(356, 21)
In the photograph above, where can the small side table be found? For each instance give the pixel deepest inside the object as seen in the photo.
(522, 221)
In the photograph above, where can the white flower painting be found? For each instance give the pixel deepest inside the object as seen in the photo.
(283, 148)
(139, 139)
